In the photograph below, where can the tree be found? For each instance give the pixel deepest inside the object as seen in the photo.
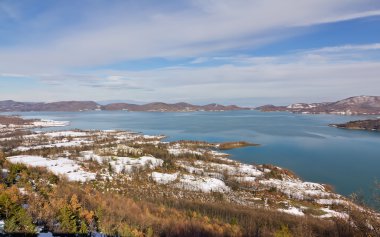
(68, 220)
(110, 169)
(2, 158)
(83, 228)
(283, 232)
(14, 171)
(17, 219)
(19, 222)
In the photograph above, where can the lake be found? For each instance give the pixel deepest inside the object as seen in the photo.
(348, 160)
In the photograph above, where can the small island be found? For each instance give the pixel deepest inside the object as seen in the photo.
(233, 145)
(369, 124)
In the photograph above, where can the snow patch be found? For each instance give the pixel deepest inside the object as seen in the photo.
(293, 211)
(59, 144)
(330, 213)
(66, 134)
(50, 123)
(60, 166)
(203, 184)
(297, 189)
(331, 202)
(128, 165)
(90, 155)
(163, 178)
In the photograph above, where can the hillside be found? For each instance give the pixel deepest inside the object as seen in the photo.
(131, 184)
(351, 106)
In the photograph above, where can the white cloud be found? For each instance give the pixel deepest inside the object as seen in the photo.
(342, 48)
(198, 29)
(319, 74)
(344, 17)
(195, 28)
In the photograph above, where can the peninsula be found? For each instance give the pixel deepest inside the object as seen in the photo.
(369, 124)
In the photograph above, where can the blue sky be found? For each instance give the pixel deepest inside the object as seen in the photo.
(248, 52)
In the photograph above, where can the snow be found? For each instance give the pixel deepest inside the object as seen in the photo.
(163, 178)
(66, 134)
(331, 202)
(331, 213)
(90, 155)
(22, 191)
(245, 179)
(301, 106)
(59, 144)
(128, 164)
(129, 136)
(50, 123)
(235, 169)
(189, 168)
(177, 150)
(60, 166)
(297, 189)
(248, 170)
(220, 155)
(180, 151)
(203, 184)
(293, 211)
(153, 137)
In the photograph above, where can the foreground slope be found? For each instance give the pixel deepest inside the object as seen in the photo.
(120, 182)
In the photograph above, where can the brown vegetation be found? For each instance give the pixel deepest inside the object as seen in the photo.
(6, 120)
(68, 207)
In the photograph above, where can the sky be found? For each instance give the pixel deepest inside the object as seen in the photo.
(245, 52)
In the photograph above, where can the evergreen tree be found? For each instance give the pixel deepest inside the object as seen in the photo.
(2, 158)
(19, 222)
(68, 220)
(83, 228)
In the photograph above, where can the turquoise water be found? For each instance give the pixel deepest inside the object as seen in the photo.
(348, 160)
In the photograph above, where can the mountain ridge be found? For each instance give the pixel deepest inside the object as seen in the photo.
(355, 105)
(15, 106)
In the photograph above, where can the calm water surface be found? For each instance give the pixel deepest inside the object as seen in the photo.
(348, 160)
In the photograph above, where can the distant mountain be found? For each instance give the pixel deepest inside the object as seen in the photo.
(178, 107)
(350, 106)
(107, 102)
(10, 106)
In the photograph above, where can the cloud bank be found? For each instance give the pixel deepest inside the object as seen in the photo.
(64, 45)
